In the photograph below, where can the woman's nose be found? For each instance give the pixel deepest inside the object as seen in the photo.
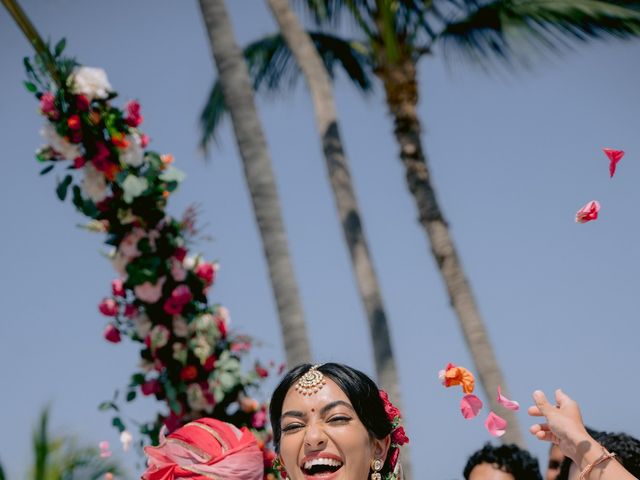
(315, 437)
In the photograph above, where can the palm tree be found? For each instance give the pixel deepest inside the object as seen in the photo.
(238, 95)
(319, 84)
(61, 458)
(393, 36)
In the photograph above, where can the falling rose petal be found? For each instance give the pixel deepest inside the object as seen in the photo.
(588, 212)
(104, 449)
(496, 425)
(506, 403)
(614, 157)
(470, 406)
(441, 376)
(126, 439)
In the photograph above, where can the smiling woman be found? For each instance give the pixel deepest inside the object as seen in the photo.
(331, 422)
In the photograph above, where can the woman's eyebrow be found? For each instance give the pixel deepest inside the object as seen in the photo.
(332, 405)
(293, 413)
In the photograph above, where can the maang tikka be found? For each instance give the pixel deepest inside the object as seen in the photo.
(311, 382)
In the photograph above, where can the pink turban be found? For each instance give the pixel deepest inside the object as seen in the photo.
(205, 449)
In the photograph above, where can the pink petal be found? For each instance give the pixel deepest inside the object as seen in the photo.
(506, 403)
(496, 425)
(588, 212)
(470, 405)
(104, 449)
(614, 157)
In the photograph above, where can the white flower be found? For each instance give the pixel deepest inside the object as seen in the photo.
(67, 149)
(133, 187)
(196, 399)
(126, 439)
(90, 82)
(134, 154)
(190, 261)
(94, 184)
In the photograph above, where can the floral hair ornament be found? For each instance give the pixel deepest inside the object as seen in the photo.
(311, 382)
(398, 437)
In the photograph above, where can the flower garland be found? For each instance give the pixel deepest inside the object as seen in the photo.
(398, 436)
(189, 360)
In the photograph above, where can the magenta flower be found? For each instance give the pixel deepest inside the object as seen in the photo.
(117, 288)
(108, 307)
(112, 334)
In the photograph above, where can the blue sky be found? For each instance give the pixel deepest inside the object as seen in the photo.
(513, 157)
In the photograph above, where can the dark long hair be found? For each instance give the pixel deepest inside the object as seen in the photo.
(361, 391)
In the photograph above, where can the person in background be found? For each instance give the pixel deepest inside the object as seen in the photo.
(556, 457)
(505, 462)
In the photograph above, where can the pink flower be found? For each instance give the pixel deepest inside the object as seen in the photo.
(104, 449)
(48, 105)
(259, 419)
(177, 270)
(206, 272)
(240, 347)
(180, 296)
(133, 118)
(497, 426)
(149, 292)
(117, 288)
(108, 307)
(112, 334)
(614, 157)
(129, 244)
(588, 212)
(144, 140)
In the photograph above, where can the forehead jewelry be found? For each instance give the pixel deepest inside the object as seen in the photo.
(311, 382)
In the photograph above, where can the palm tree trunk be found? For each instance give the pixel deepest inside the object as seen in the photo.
(343, 190)
(401, 88)
(238, 95)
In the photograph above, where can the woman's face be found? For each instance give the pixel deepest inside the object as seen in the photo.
(323, 438)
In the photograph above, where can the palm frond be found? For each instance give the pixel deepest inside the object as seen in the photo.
(273, 70)
(41, 446)
(2, 475)
(509, 30)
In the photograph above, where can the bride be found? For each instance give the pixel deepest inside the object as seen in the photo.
(330, 422)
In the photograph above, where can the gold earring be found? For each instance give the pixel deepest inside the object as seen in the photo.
(376, 466)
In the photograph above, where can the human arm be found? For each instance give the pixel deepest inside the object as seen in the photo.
(565, 428)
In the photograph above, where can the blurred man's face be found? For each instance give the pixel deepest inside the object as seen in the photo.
(487, 471)
(555, 462)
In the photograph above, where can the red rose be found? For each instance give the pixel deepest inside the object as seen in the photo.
(82, 103)
(210, 363)
(150, 387)
(206, 272)
(74, 122)
(180, 253)
(399, 437)
(79, 162)
(108, 307)
(395, 453)
(188, 373)
(130, 310)
(112, 334)
(117, 287)
(222, 326)
(172, 306)
(133, 118)
(48, 105)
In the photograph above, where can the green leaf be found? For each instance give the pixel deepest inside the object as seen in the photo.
(31, 87)
(131, 395)
(47, 169)
(63, 186)
(137, 379)
(104, 406)
(117, 422)
(60, 47)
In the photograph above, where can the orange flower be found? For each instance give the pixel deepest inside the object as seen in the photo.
(167, 159)
(165, 194)
(119, 141)
(453, 375)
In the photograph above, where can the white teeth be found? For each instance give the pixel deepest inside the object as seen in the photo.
(322, 461)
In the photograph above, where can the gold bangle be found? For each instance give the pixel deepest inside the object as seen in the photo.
(606, 455)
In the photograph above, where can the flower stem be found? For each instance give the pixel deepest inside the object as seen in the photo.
(33, 36)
